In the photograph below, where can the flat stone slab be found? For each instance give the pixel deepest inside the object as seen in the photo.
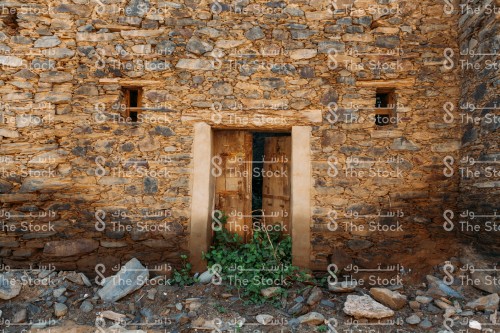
(130, 278)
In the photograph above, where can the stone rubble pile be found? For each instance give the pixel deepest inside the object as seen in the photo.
(71, 294)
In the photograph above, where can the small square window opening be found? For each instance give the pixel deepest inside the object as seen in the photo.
(133, 103)
(384, 106)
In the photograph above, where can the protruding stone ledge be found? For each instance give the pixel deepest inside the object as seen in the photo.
(195, 64)
(131, 82)
(114, 27)
(142, 33)
(70, 248)
(400, 83)
(265, 119)
(91, 37)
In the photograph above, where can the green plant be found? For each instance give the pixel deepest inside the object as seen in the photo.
(183, 276)
(322, 328)
(265, 261)
(220, 308)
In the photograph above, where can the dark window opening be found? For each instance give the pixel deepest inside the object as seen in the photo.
(132, 98)
(258, 151)
(384, 106)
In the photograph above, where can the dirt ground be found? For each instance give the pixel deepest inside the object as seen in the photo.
(216, 309)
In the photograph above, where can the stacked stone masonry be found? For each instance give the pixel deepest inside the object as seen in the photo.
(480, 116)
(73, 169)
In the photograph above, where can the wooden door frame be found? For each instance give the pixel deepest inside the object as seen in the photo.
(202, 195)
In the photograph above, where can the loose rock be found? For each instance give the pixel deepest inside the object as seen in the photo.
(438, 288)
(152, 294)
(111, 315)
(58, 292)
(413, 320)
(205, 277)
(312, 318)
(264, 319)
(366, 307)
(86, 306)
(423, 299)
(343, 287)
(315, 296)
(270, 292)
(392, 299)
(475, 325)
(425, 324)
(414, 305)
(60, 309)
(20, 316)
(131, 277)
(484, 303)
(9, 287)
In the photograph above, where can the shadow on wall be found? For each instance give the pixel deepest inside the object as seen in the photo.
(47, 223)
(400, 242)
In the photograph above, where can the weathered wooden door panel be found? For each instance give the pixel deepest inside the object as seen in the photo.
(233, 188)
(276, 181)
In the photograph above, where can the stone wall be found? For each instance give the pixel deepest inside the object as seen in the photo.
(479, 167)
(63, 67)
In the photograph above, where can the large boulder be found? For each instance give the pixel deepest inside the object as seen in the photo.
(130, 278)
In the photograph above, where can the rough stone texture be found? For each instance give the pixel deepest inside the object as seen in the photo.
(131, 277)
(413, 320)
(270, 292)
(264, 319)
(343, 287)
(438, 288)
(312, 318)
(489, 303)
(60, 309)
(70, 248)
(315, 296)
(479, 117)
(205, 277)
(9, 287)
(392, 299)
(483, 278)
(86, 306)
(365, 307)
(67, 68)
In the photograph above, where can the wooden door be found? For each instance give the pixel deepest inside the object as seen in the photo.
(276, 181)
(233, 187)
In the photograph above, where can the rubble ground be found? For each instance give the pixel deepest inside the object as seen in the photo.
(73, 303)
